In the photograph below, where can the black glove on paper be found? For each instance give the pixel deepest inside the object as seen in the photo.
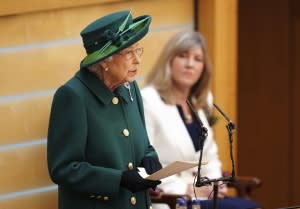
(151, 164)
(132, 181)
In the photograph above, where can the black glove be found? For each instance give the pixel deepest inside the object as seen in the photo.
(132, 181)
(151, 164)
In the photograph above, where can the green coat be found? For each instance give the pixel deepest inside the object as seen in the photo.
(94, 135)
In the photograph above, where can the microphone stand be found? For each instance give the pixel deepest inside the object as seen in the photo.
(204, 181)
(230, 127)
(202, 136)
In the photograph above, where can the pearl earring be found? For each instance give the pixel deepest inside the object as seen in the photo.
(106, 69)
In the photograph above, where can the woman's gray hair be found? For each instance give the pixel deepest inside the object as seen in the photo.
(160, 75)
(94, 68)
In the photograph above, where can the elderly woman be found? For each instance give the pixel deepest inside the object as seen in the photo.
(97, 136)
(183, 72)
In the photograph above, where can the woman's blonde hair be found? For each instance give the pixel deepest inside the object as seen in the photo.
(160, 75)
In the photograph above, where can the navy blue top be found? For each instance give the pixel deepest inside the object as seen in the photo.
(193, 129)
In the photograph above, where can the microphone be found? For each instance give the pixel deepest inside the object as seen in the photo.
(230, 123)
(203, 130)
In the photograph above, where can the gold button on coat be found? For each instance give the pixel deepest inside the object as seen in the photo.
(98, 197)
(115, 100)
(133, 200)
(126, 132)
(130, 166)
(106, 198)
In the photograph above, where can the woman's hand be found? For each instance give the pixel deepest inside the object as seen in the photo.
(132, 181)
(202, 192)
(223, 190)
(206, 192)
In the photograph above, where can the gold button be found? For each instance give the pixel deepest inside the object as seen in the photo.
(92, 196)
(105, 198)
(115, 100)
(133, 200)
(150, 207)
(130, 166)
(125, 132)
(98, 197)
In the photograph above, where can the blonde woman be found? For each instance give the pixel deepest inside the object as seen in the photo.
(183, 72)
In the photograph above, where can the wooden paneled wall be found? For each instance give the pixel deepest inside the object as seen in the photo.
(269, 98)
(40, 48)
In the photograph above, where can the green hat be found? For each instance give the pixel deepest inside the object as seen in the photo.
(112, 33)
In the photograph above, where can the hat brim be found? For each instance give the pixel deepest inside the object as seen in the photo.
(140, 31)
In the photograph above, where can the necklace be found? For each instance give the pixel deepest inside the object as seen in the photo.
(188, 118)
(127, 86)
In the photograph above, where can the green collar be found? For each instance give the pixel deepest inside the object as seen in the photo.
(99, 89)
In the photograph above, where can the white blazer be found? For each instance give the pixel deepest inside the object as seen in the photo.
(169, 136)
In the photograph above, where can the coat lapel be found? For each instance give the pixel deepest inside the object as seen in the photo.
(96, 86)
(123, 93)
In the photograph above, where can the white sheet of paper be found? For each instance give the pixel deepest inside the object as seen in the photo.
(142, 172)
(171, 169)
